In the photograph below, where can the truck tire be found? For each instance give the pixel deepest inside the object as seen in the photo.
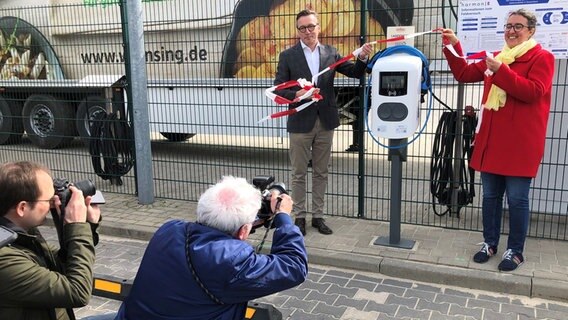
(177, 137)
(49, 122)
(11, 127)
(87, 110)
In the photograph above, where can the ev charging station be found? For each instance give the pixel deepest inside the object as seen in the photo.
(395, 100)
(395, 94)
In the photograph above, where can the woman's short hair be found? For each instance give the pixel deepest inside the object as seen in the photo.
(229, 204)
(529, 15)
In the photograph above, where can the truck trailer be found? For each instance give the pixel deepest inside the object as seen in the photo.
(208, 64)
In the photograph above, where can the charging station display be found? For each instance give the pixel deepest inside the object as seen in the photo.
(393, 83)
(395, 96)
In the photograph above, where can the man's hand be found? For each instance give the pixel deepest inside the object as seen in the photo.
(301, 92)
(93, 211)
(285, 205)
(367, 49)
(76, 209)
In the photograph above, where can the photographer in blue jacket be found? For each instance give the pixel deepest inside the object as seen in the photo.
(205, 270)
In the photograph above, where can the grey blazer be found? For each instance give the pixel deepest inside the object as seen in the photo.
(292, 65)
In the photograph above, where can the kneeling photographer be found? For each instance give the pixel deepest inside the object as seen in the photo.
(205, 270)
(38, 281)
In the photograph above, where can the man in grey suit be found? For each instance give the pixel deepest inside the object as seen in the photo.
(311, 130)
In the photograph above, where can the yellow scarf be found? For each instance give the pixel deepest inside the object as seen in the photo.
(497, 96)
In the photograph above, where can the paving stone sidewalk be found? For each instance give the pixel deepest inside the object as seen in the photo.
(332, 293)
(440, 256)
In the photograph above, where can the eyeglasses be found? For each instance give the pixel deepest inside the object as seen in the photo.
(48, 200)
(310, 27)
(516, 26)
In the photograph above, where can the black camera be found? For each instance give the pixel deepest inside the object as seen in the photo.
(267, 186)
(61, 186)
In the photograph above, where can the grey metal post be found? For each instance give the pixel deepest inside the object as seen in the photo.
(138, 99)
(360, 119)
(458, 151)
(396, 157)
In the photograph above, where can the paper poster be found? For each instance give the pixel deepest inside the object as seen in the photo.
(480, 24)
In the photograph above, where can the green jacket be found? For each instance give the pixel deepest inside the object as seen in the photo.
(38, 282)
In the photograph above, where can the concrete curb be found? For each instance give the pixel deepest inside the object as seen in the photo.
(457, 276)
(550, 289)
(138, 233)
(135, 233)
(344, 260)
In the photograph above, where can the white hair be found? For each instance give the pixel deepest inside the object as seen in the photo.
(229, 204)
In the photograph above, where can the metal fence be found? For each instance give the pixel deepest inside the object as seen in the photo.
(208, 65)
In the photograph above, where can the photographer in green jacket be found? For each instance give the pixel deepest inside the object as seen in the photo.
(38, 281)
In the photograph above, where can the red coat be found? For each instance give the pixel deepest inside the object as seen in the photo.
(510, 141)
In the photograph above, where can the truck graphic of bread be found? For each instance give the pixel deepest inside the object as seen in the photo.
(24, 52)
(263, 29)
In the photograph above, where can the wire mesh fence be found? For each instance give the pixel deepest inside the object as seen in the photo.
(52, 92)
(208, 65)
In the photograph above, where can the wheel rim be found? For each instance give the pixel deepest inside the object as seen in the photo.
(42, 120)
(91, 117)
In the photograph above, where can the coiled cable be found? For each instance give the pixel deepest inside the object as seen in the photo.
(111, 147)
(442, 163)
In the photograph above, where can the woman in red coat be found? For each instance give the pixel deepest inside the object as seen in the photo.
(509, 142)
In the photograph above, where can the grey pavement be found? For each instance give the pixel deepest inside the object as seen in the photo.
(346, 293)
(439, 255)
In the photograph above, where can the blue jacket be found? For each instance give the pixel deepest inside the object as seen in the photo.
(164, 287)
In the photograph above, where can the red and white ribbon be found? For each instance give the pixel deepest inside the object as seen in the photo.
(287, 112)
(474, 56)
(303, 83)
(358, 50)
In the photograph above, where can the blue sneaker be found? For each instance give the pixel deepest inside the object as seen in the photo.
(511, 260)
(484, 253)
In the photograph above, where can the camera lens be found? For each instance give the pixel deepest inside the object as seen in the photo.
(279, 187)
(86, 186)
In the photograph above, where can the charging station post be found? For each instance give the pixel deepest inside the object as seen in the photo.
(397, 155)
(396, 95)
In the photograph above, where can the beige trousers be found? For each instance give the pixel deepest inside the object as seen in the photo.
(314, 145)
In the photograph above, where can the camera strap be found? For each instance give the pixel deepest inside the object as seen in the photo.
(261, 244)
(194, 273)
(271, 222)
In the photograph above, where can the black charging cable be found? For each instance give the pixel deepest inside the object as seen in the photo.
(442, 161)
(110, 147)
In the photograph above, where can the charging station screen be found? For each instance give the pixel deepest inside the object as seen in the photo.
(393, 84)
